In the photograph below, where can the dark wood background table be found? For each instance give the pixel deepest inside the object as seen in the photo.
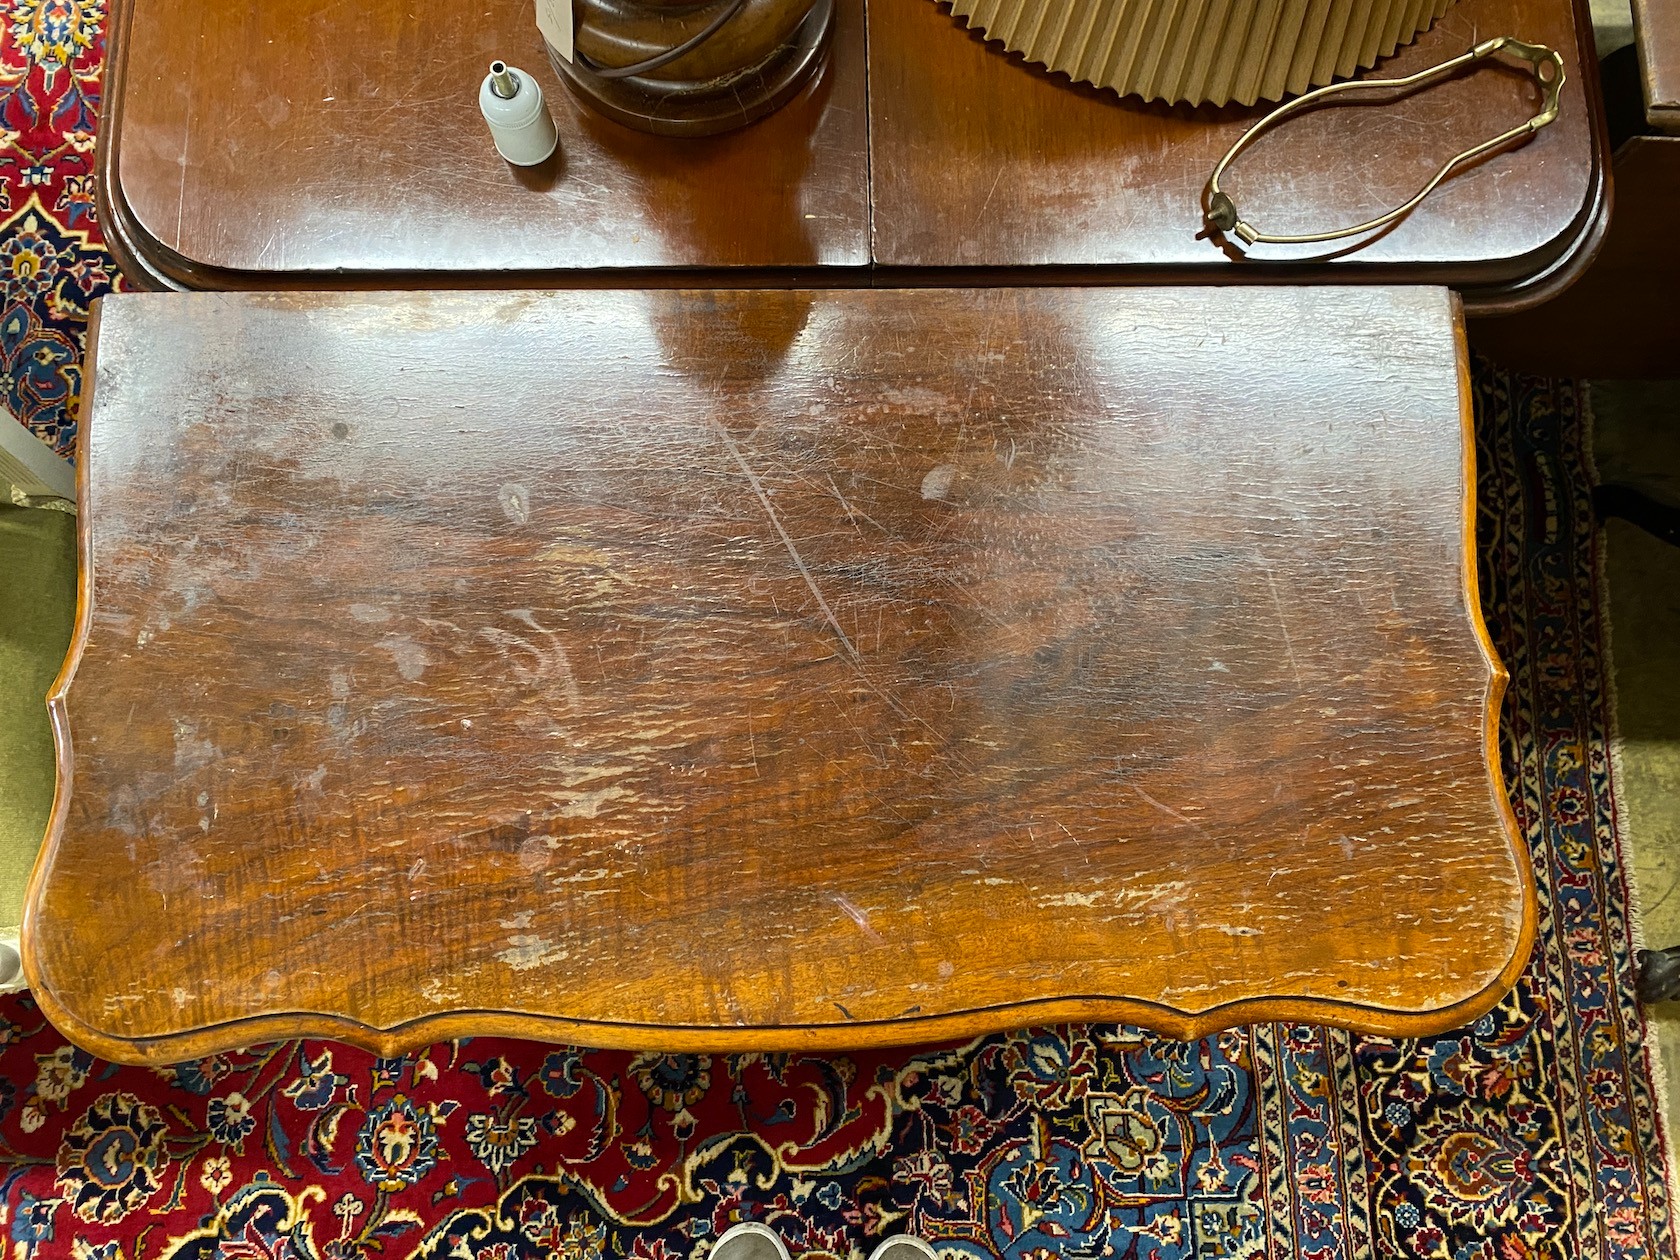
(775, 669)
(348, 139)
(1618, 319)
(337, 145)
(977, 161)
(1657, 29)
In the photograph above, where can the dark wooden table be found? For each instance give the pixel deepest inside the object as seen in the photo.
(1656, 25)
(1618, 318)
(348, 149)
(775, 669)
(977, 161)
(349, 141)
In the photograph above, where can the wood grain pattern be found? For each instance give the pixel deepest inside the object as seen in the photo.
(347, 138)
(1656, 25)
(979, 161)
(690, 669)
(347, 150)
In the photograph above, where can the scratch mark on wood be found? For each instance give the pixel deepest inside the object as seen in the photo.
(787, 541)
(846, 507)
(567, 679)
(858, 917)
(1168, 810)
(1283, 624)
(811, 582)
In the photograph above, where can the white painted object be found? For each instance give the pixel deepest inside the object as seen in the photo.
(29, 463)
(554, 20)
(520, 123)
(11, 964)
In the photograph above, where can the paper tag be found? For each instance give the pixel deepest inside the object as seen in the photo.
(554, 20)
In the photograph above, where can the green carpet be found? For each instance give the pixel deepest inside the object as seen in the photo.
(1637, 441)
(37, 609)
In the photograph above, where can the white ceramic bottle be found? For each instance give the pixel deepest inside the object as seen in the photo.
(520, 123)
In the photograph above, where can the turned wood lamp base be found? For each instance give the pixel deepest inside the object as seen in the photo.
(727, 82)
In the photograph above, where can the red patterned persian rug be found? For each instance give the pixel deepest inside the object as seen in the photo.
(1530, 1134)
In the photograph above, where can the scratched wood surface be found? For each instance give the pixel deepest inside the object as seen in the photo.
(977, 160)
(774, 669)
(284, 144)
(346, 148)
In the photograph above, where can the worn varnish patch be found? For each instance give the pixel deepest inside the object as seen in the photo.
(754, 669)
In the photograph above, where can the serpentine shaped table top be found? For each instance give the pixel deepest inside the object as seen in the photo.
(774, 669)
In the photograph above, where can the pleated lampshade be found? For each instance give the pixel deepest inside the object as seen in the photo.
(1202, 51)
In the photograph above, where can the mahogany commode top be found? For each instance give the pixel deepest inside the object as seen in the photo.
(778, 669)
(348, 149)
